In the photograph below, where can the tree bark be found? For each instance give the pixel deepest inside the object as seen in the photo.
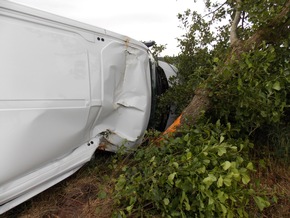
(199, 104)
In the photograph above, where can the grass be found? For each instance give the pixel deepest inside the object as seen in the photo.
(272, 178)
(89, 192)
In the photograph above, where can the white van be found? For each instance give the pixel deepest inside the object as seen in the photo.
(66, 89)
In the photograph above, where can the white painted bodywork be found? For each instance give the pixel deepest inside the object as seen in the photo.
(169, 70)
(66, 88)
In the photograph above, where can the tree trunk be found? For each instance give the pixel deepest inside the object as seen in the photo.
(199, 104)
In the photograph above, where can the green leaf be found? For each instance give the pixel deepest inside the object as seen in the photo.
(261, 203)
(209, 180)
(166, 201)
(201, 170)
(129, 208)
(230, 214)
(171, 178)
(275, 199)
(120, 182)
(221, 151)
(245, 179)
(178, 183)
(187, 206)
(132, 200)
(210, 200)
(277, 86)
(175, 214)
(224, 209)
(222, 138)
(240, 160)
(175, 164)
(250, 166)
(240, 212)
(227, 181)
(226, 165)
(220, 182)
(236, 174)
(152, 159)
(229, 126)
(248, 63)
(215, 60)
(186, 137)
(188, 155)
(263, 114)
(221, 196)
(206, 161)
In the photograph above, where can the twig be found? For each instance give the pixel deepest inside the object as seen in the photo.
(212, 12)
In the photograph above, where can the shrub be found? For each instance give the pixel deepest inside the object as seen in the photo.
(203, 173)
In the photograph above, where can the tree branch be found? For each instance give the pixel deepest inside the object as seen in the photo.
(233, 33)
(213, 12)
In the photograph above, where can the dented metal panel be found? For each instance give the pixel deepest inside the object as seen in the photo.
(66, 89)
(127, 93)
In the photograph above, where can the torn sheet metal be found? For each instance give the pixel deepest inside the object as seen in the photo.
(127, 95)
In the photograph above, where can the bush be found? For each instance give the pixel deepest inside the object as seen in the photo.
(203, 173)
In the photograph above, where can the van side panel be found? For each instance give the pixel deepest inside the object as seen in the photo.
(52, 61)
(44, 92)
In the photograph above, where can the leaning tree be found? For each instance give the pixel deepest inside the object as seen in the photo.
(235, 62)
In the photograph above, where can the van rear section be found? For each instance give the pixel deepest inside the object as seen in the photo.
(66, 89)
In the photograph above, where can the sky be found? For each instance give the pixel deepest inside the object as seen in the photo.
(142, 20)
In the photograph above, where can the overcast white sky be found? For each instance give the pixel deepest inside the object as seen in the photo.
(142, 20)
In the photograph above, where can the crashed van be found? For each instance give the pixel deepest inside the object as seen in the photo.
(66, 89)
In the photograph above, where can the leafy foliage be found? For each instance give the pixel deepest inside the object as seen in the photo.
(204, 170)
(203, 173)
(250, 89)
(253, 91)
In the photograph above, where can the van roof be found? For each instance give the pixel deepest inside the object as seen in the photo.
(39, 14)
